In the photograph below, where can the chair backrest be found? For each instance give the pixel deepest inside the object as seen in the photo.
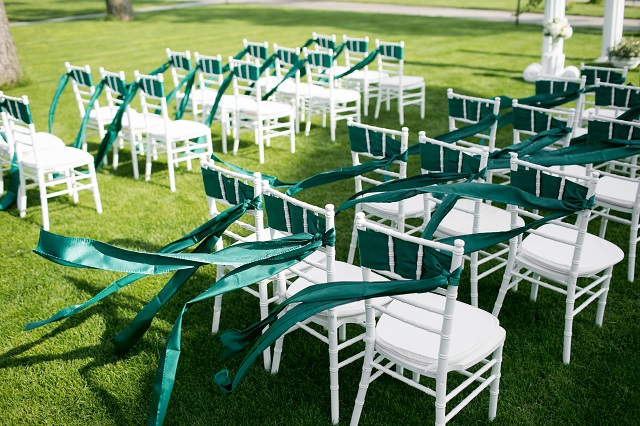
(466, 110)
(152, 97)
(400, 256)
(286, 58)
(180, 65)
(259, 51)
(324, 42)
(602, 128)
(558, 184)
(604, 74)
(438, 156)
(377, 143)
(530, 120)
(319, 67)
(115, 87)
(390, 58)
(618, 97)
(210, 74)
(287, 215)
(246, 74)
(230, 188)
(355, 50)
(82, 85)
(17, 119)
(547, 84)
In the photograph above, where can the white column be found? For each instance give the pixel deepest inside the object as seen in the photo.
(552, 50)
(613, 25)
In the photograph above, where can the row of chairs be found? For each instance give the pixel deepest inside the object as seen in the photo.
(559, 252)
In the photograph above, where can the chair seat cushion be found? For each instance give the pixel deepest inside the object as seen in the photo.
(206, 95)
(372, 76)
(343, 272)
(179, 130)
(339, 95)
(597, 253)
(267, 109)
(617, 192)
(459, 221)
(475, 334)
(106, 114)
(408, 81)
(413, 207)
(44, 141)
(58, 159)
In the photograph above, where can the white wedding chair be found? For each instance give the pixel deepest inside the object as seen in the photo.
(203, 95)
(429, 334)
(83, 89)
(287, 215)
(605, 75)
(468, 216)
(325, 95)
(375, 143)
(181, 140)
(611, 100)
(133, 124)
(252, 113)
(366, 81)
(44, 163)
(393, 83)
(559, 252)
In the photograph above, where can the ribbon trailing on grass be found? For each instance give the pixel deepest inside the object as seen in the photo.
(207, 235)
(260, 269)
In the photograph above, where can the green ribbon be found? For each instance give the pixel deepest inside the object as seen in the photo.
(308, 302)
(206, 234)
(11, 195)
(238, 55)
(271, 264)
(62, 83)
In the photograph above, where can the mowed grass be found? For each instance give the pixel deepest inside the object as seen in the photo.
(67, 373)
(573, 7)
(33, 10)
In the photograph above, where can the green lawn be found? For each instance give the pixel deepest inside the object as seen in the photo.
(573, 7)
(33, 10)
(68, 374)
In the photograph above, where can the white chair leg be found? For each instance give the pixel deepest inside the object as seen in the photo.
(94, 187)
(333, 124)
(260, 142)
(217, 308)
(263, 292)
(474, 279)
(147, 169)
(292, 133)
(602, 300)
(281, 286)
(116, 149)
(534, 289)
(171, 166)
(333, 368)
(633, 241)
(353, 244)
(43, 202)
(22, 196)
(366, 99)
(568, 319)
(401, 105)
(378, 103)
(603, 224)
(504, 287)
(224, 121)
(494, 390)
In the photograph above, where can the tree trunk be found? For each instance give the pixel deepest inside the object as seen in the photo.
(120, 10)
(9, 63)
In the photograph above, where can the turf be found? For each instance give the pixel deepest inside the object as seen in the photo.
(68, 373)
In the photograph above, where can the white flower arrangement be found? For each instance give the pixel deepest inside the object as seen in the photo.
(558, 28)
